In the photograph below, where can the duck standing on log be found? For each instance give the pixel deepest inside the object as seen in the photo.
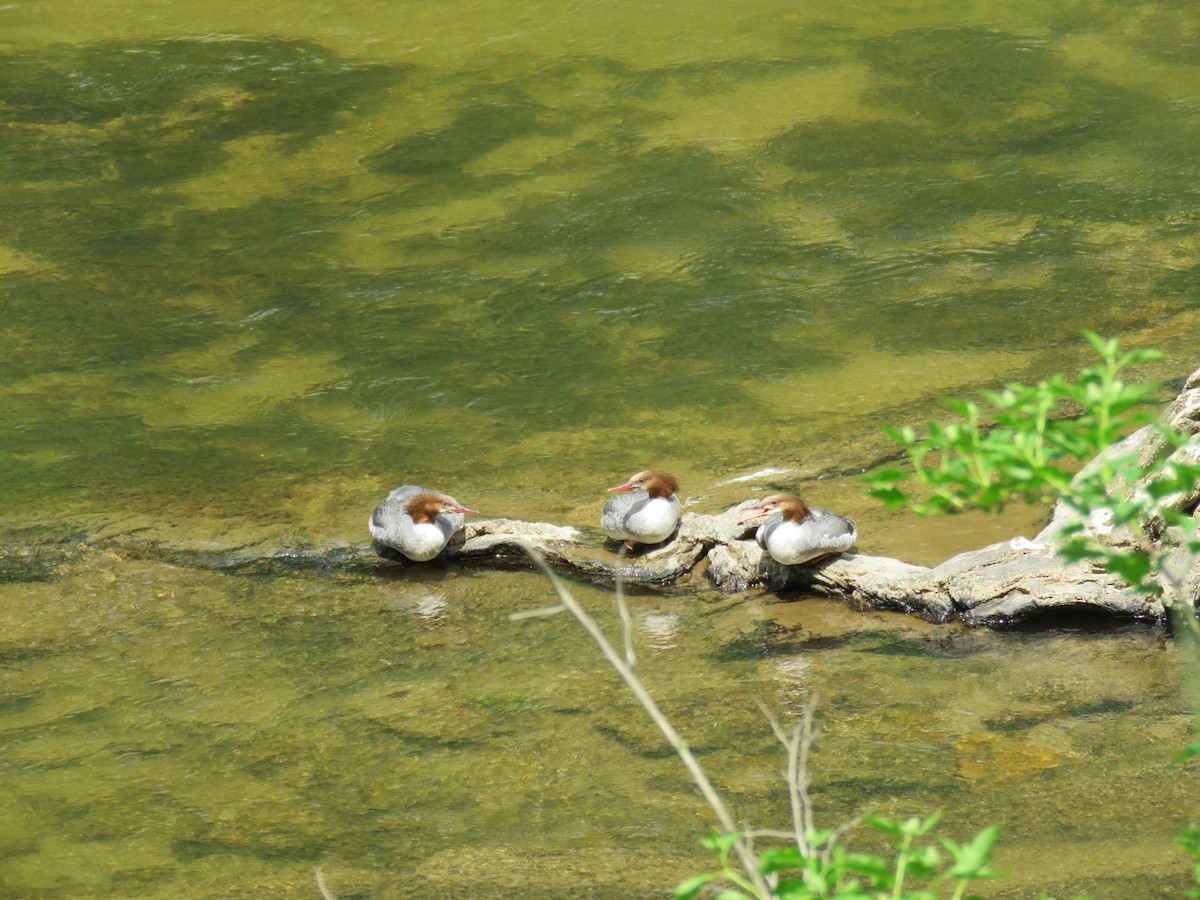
(796, 533)
(417, 524)
(646, 512)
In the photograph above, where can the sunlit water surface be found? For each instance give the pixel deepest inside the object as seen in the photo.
(260, 263)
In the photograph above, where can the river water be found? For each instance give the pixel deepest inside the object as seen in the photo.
(262, 262)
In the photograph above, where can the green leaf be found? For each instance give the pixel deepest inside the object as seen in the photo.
(878, 869)
(1107, 349)
(1162, 487)
(904, 435)
(785, 860)
(1192, 751)
(893, 498)
(1133, 568)
(821, 836)
(1189, 841)
(1077, 549)
(918, 827)
(888, 826)
(925, 863)
(971, 859)
(1139, 357)
(888, 476)
(964, 408)
(720, 842)
(691, 887)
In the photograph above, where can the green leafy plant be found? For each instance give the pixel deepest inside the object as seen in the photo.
(1062, 440)
(837, 874)
(812, 865)
(1059, 440)
(1189, 843)
(1133, 501)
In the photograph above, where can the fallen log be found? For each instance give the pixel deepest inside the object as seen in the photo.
(1004, 583)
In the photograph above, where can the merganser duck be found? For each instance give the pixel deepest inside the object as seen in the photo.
(797, 533)
(417, 523)
(646, 513)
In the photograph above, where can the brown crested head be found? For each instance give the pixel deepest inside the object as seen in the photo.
(654, 482)
(424, 508)
(792, 507)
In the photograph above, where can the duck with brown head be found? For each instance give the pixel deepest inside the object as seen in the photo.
(646, 512)
(795, 533)
(416, 523)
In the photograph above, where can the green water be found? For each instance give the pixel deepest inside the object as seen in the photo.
(260, 263)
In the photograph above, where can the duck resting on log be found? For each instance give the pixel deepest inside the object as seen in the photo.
(1003, 583)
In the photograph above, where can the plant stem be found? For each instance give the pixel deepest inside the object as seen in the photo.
(805, 735)
(901, 867)
(322, 886)
(745, 855)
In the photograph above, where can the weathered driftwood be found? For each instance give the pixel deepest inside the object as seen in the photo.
(1003, 583)
(999, 584)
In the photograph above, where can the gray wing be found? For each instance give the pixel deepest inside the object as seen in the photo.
(617, 509)
(386, 518)
(836, 532)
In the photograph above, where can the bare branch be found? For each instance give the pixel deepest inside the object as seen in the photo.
(322, 887)
(699, 778)
(804, 736)
(838, 833)
(797, 745)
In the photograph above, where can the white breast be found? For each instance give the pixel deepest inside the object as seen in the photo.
(422, 542)
(653, 521)
(788, 543)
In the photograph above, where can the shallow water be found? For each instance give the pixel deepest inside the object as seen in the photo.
(180, 732)
(262, 263)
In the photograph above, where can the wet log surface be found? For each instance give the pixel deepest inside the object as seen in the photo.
(1000, 584)
(1004, 583)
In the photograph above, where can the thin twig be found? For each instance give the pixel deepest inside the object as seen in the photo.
(799, 744)
(806, 734)
(801, 818)
(322, 886)
(838, 833)
(796, 745)
(699, 778)
(771, 720)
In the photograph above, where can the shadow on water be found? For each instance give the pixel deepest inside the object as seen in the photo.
(250, 284)
(250, 350)
(170, 107)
